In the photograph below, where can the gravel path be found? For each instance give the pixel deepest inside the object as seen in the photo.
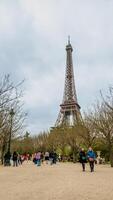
(63, 181)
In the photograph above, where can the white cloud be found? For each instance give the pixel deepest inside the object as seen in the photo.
(42, 90)
(6, 20)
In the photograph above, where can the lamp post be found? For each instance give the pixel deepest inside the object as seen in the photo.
(10, 132)
(8, 154)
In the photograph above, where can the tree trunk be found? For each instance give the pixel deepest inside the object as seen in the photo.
(110, 153)
(74, 157)
(74, 150)
(2, 153)
(111, 157)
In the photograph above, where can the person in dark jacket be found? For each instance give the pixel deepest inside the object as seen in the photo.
(54, 157)
(15, 159)
(91, 158)
(51, 157)
(82, 158)
(7, 158)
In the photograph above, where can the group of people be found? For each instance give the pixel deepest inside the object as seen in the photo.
(51, 158)
(17, 159)
(14, 159)
(48, 157)
(87, 157)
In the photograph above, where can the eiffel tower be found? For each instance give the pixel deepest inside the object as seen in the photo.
(69, 113)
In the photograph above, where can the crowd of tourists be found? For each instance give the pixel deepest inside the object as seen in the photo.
(38, 158)
(49, 158)
(15, 159)
(52, 158)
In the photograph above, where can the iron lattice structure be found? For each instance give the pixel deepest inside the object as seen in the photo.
(69, 109)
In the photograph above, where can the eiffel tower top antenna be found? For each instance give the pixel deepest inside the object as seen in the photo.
(68, 39)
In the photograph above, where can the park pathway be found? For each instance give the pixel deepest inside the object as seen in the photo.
(63, 181)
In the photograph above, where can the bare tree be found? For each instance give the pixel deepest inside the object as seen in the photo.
(87, 131)
(103, 123)
(10, 97)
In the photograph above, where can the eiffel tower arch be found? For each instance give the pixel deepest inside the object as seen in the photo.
(69, 113)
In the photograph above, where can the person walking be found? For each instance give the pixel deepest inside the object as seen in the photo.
(54, 157)
(38, 158)
(7, 159)
(91, 158)
(51, 156)
(82, 158)
(34, 159)
(46, 157)
(19, 159)
(15, 159)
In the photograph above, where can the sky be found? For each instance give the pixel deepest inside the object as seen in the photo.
(33, 36)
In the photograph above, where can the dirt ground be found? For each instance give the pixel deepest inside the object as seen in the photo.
(63, 181)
